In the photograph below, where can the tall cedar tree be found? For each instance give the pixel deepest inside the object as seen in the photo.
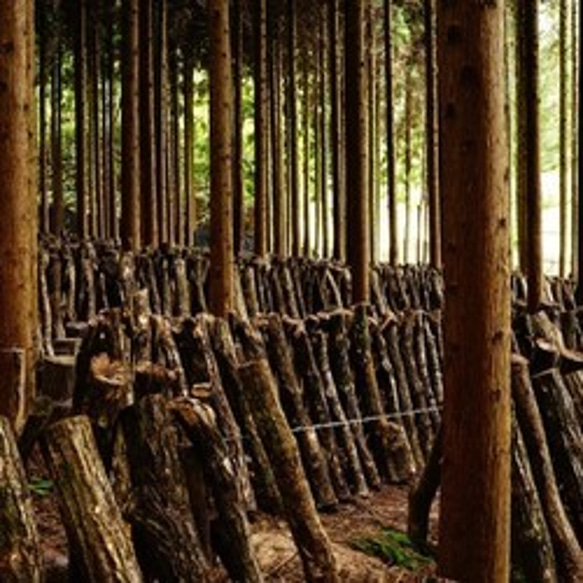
(221, 265)
(474, 530)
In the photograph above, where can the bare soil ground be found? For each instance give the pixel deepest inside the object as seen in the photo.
(272, 540)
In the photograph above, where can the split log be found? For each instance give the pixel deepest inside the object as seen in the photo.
(574, 384)
(344, 432)
(308, 372)
(182, 303)
(287, 288)
(295, 273)
(565, 440)
(390, 331)
(292, 399)
(249, 290)
(261, 475)
(338, 350)
(389, 442)
(165, 535)
(309, 535)
(433, 357)
(97, 533)
(237, 555)
(48, 312)
(20, 556)
(532, 550)
(568, 550)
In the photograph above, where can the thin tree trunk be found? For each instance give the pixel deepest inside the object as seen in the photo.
(58, 214)
(391, 192)
(130, 139)
(149, 199)
(357, 154)
(563, 153)
(432, 137)
(293, 130)
(221, 270)
(238, 184)
(261, 128)
(189, 189)
(474, 525)
(339, 195)
(408, 129)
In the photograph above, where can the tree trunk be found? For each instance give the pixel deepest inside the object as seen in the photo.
(475, 512)
(18, 260)
(58, 210)
(432, 136)
(130, 169)
(189, 190)
(339, 195)
(221, 271)
(149, 198)
(391, 192)
(261, 127)
(293, 130)
(238, 184)
(20, 556)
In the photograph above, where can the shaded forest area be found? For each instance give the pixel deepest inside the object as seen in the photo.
(269, 267)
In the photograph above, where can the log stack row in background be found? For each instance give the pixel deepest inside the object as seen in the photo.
(183, 425)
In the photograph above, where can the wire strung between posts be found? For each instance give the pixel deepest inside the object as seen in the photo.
(363, 420)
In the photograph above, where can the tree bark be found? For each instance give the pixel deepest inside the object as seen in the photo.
(91, 515)
(475, 512)
(221, 271)
(20, 555)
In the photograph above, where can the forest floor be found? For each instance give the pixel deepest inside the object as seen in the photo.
(350, 524)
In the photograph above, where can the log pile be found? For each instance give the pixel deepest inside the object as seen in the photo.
(297, 403)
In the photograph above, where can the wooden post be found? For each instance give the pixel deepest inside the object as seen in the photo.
(474, 528)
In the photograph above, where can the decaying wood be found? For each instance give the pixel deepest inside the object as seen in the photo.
(308, 372)
(20, 557)
(338, 350)
(262, 478)
(300, 510)
(532, 550)
(96, 530)
(390, 330)
(568, 550)
(389, 442)
(292, 400)
(565, 440)
(200, 424)
(344, 433)
(165, 535)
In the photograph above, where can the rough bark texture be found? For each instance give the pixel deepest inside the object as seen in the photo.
(97, 533)
(166, 538)
(18, 262)
(309, 535)
(20, 559)
(221, 270)
(475, 512)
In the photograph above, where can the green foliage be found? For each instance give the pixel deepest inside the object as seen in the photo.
(41, 486)
(394, 548)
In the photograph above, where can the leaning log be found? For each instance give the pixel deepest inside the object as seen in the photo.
(389, 441)
(97, 533)
(532, 550)
(338, 350)
(166, 538)
(568, 550)
(200, 425)
(292, 400)
(300, 510)
(20, 557)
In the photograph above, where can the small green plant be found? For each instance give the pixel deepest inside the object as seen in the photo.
(41, 486)
(394, 548)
